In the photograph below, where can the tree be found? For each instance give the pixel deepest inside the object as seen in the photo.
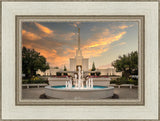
(58, 74)
(98, 73)
(93, 69)
(127, 64)
(32, 61)
(65, 69)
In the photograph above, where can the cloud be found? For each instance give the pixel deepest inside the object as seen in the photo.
(125, 26)
(30, 36)
(105, 40)
(122, 43)
(88, 53)
(58, 48)
(101, 43)
(51, 55)
(43, 28)
(68, 36)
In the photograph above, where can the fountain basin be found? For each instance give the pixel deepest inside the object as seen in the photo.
(61, 92)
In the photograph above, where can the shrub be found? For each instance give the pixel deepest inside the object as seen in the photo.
(58, 74)
(92, 74)
(98, 73)
(65, 74)
(124, 80)
(34, 80)
(38, 75)
(133, 81)
(113, 82)
(24, 81)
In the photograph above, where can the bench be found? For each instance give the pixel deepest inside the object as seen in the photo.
(122, 85)
(34, 85)
(126, 85)
(113, 85)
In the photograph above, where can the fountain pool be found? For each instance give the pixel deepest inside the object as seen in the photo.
(73, 87)
(61, 92)
(79, 88)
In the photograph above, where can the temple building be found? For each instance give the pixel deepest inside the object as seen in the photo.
(79, 60)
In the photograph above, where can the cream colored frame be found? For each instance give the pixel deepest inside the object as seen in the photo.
(108, 1)
(139, 19)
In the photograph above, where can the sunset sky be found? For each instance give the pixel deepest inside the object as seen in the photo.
(101, 42)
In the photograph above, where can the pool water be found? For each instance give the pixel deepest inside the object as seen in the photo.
(64, 86)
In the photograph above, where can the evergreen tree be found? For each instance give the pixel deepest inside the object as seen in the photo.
(65, 69)
(93, 67)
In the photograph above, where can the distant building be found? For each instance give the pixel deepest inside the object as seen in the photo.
(51, 71)
(79, 60)
(109, 72)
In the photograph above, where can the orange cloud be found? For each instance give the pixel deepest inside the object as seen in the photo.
(105, 40)
(88, 53)
(52, 57)
(123, 27)
(96, 48)
(30, 35)
(43, 28)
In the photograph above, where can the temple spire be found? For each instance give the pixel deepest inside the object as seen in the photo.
(78, 38)
(78, 52)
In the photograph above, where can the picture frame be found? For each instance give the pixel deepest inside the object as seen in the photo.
(145, 16)
(139, 19)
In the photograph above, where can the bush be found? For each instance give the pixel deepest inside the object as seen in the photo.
(65, 74)
(38, 75)
(124, 80)
(113, 82)
(34, 80)
(133, 81)
(98, 73)
(25, 81)
(58, 74)
(92, 74)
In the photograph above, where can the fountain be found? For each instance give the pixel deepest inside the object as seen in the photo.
(79, 82)
(79, 88)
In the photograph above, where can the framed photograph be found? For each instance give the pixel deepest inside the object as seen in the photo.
(80, 60)
(79, 67)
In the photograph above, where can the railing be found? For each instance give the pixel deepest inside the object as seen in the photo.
(124, 85)
(34, 85)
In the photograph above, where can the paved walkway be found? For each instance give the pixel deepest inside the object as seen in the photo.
(123, 93)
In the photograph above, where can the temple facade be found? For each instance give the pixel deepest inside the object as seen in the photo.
(79, 60)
